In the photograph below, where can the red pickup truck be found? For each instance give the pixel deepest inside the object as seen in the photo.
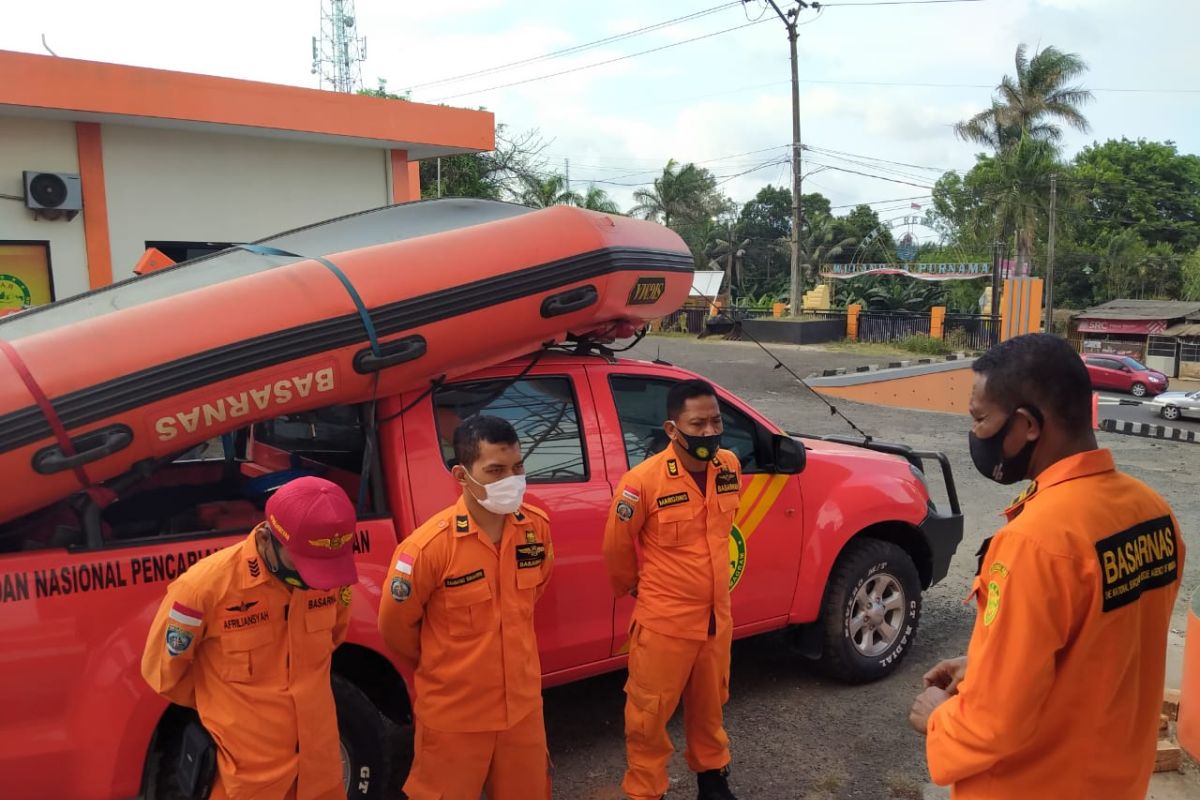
(833, 538)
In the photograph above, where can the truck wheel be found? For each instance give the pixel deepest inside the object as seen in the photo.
(363, 735)
(871, 610)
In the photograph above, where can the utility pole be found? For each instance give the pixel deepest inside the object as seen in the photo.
(567, 168)
(1050, 259)
(797, 282)
(439, 177)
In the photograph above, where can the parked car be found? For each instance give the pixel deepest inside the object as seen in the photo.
(1125, 374)
(1177, 405)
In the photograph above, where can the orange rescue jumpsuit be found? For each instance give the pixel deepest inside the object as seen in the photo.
(1065, 668)
(458, 609)
(252, 657)
(682, 625)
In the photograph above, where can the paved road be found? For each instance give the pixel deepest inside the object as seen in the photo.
(1139, 413)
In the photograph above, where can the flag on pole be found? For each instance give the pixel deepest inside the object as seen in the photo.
(916, 206)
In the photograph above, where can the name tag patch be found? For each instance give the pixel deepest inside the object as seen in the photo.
(463, 580)
(727, 482)
(1133, 561)
(530, 555)
(672, 499)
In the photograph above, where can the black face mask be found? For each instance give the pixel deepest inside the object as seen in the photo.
(289, 576)
(989, 458)
(701, 447)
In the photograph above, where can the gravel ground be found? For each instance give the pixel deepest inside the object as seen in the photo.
(794, 734)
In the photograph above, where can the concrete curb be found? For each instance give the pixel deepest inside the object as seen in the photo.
(847, 376)
(1147, 430)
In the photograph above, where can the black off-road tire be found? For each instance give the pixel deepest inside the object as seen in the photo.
(852, 650)
(364, 737)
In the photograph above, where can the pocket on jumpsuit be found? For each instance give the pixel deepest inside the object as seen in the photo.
(643, 710)
(672, 527)
(238, 654)
(469, 609)
(318, 627)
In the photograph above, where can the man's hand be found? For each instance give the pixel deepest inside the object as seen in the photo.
(947, 675)
(924, 705)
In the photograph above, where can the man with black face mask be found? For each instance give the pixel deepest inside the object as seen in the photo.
(1060, 690)
(246, 637)
(679, 505)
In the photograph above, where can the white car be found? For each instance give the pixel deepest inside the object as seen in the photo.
(1176, 405)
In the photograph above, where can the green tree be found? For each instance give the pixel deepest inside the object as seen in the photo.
(543, 192)
(1148, 187)
(382, 91)
(489, 176)
(596, 199)
(818, 247)
(858, 225)
(682, 194)
(1031, 103)
(1190, 269)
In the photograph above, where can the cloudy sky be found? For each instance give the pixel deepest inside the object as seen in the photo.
(879, 81)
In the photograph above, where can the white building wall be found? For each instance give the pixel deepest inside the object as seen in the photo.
(165, 185)
(45, 146)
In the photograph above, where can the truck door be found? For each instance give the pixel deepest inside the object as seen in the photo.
(552, 412)
(767, 538)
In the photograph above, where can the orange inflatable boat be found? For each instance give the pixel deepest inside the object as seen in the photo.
(379, 302)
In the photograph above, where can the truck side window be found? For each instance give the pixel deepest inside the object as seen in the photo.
(642, 407)
(544, 412)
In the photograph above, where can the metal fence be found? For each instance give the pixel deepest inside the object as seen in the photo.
(969, 332)
(877, 327)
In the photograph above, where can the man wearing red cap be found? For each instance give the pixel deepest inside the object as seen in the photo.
(460, 612)
(245, 637)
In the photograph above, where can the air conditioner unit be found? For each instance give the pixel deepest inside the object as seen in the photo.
(53, 192)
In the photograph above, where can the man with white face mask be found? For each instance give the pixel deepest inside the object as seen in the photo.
(459, 611)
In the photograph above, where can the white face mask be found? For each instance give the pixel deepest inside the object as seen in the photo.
(503, 496)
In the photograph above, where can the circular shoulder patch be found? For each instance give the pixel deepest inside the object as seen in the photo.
(993, 603)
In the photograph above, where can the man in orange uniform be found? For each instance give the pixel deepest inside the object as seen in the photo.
(245, 637)
(460, 614)
(1060, 691)
(679, 506)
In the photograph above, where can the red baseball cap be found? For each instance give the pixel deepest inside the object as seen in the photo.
(315, 521)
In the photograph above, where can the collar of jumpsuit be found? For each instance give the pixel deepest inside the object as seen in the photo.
(1066, 659)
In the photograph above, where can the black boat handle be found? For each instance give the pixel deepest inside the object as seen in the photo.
(89, 447)
(571, 300)
(399, 351)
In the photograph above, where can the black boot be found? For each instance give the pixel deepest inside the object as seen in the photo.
(713, 785)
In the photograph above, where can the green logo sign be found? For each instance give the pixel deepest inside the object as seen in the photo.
(14, 294)
(737, 556)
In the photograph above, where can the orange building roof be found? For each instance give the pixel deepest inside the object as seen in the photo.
(92, 91)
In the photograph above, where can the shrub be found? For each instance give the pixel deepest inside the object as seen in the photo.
(924, 345)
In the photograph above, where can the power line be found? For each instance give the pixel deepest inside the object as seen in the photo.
(603, 63)
(893, 3)
(578, 48)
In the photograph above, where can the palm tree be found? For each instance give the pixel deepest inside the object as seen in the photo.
(538, 192)
(596, 199)
(1018, 202)
(817, 249)
(680, 193)
(1032, 102)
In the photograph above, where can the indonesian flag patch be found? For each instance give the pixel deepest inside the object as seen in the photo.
(405, 564)
(186, 616)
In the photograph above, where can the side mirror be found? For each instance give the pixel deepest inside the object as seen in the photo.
(787, 455)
